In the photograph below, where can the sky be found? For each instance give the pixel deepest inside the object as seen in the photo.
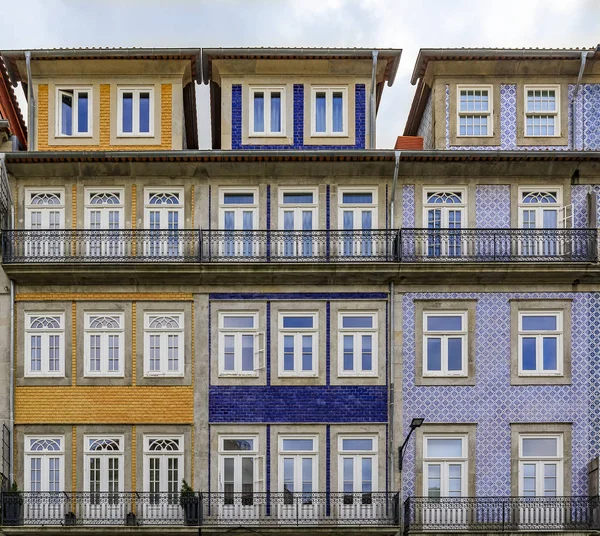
(406, 24)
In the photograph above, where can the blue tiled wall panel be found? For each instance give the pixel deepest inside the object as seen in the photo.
(492, 206)
(493, 403)
(298, 126)
(279, 404)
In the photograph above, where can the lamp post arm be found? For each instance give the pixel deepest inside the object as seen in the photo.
(401, 449)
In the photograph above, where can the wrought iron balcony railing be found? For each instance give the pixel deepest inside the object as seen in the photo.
(200, 509)
(501, 514)
(336, 246)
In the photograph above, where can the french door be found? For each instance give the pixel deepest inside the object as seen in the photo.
(540, 211)
(45, 213)
(238, 218)
(164, 217)
(104, 212)
(298, 217)
(444, 218)
(357, 219)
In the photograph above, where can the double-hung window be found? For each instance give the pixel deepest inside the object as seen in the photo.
(329, 111)
(104, 344)
(445, 466)
(267, 111)
(238, 347)
(44, 344)
(298, 343)
(540, 343)
(444, 343)
(357, 468)
(474, 110)
(163, 344)
(44, 462)
(357, 344)
(135, 111)
(542, 117)
(74, 112)
(540, 465)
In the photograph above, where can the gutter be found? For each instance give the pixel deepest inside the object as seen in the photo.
(575, 93)
(372, 103)
(30, 105)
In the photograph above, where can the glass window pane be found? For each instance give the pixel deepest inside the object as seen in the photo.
(298, 321)
(444, 448)
(238, 322)
(357, 322)
(529, 353)
(444, 323)
(247, 474)
(454, 354)
(247, 353)
(338, 111)
(275, 111)
(127, 103)
(298, 444)
(357, 444)
(259, 111)
(145, 112)
(307, 356)
(238, 444)
(367, 353)
(238, 199)
(434, 354)
(320, 112)
(540, 446)
(288, 353)
(297, 198)
(550, 360)
(357, 198)
(537, 323)
(67, 113)
(348, 352)
(82, 112)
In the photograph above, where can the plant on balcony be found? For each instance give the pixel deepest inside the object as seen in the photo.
(12, 506)
(190, 502)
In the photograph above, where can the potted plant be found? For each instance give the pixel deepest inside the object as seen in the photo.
(12, 506)
(190, 502)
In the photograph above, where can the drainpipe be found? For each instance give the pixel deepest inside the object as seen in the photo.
(397, 155)
(575, 93)
(372, 105)
(11, 404)
(30, 105)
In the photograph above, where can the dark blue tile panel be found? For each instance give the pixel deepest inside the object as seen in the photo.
(298, 127)
(296, 404)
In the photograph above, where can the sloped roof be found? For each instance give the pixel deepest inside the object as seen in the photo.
(9, 105)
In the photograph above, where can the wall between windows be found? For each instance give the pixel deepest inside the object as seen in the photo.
(492, 403)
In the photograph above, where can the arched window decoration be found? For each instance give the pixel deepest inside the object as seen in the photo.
(105, 322)
(46, 198)
(105, 198)
(104, 444)
(45, 322)
(544, 198)
(163, 322)
(47, 445)
(164, 198)
(164, 445)
(444, 197)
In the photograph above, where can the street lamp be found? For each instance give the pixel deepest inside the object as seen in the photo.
(415, 423)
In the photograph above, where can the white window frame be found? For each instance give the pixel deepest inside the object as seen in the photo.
(356, 207)
(267, 90)
(44, 333)
(539, 207)
(90, 193)
(44, 455)
(297, 333)
(104, 334)
(540, 461)
(444, 463)
(30, 193)
(539, 336)
(238, 208)
(104, 455)
(489, 113)
(444, 336)
(298, 454)
(258, 462)
(149, 192)
(299, 207)
(164, 334)
(555, 114)
(445, 207)
(328, 90)
(76, 90)
(357, 345)
(163, 454)
(136, 90)
(358, 455)
(238, 332)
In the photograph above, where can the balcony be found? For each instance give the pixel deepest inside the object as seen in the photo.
(201, 509)
(329, 246)
(501, 514)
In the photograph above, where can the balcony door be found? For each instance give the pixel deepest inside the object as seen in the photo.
(444, 217)
(239, 481)
(238, 219)
(104, 478)
(44, 216)
(104, 213)
(357, 219)
(298, 218)
(163, 218)
(163, 472)
(540, 212)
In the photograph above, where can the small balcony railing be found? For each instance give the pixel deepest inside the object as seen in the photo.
(501, 514)
(335, 246)
(200, 509)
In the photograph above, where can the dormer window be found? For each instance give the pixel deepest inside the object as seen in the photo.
(74, 117)
(136, 112)
(267, 111)
(329, 111)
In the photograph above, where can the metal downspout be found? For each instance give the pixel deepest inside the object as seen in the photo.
(373, 104)
(30, 106)
(575, 93)
(397, 155)
(11, 405)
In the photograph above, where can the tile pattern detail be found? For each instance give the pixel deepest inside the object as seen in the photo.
(408, 206)
(591, 117)
(492, 206)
